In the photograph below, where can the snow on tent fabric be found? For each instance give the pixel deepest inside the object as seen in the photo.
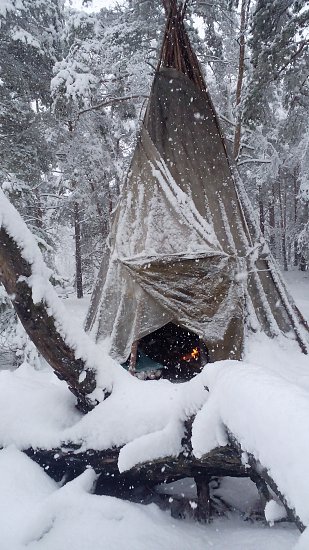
(184, 246)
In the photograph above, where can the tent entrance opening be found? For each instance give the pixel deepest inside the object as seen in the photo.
(171, 352)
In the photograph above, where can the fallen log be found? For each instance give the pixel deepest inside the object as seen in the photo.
(70, 461)
(66, 463)
(261, 474)
(41, 326)
(138, 483)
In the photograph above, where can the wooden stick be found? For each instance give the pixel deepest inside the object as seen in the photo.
(133, 357)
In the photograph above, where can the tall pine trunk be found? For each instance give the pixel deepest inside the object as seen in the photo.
(245, 4)
(77, 235)
(272, 220)
(78, 256)
(296, 253)
(282, 202)
(261, 210)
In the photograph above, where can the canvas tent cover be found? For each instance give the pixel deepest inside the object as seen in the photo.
(184, 246)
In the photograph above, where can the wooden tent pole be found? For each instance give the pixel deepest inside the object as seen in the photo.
(133, 357)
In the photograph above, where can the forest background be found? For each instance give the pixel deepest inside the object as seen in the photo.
(73, 89)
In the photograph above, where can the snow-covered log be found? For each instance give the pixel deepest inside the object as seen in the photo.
(70, 461)
(255, 410)
(263, 474)
(40, 325)
(67, 349)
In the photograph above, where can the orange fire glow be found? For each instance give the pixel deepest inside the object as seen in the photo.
(194, 354)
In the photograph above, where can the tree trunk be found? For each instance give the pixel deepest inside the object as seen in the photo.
(133, 357)
(78, 256)
(102, 219)
(303, 262)
(283, 228)
(203, 514)
(272, 220)
(241, 69)
(295, 194)
(222, 461)
(40, 326)
(261, 211)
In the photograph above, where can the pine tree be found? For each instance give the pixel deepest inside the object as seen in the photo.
(29, 46)
(108, 61)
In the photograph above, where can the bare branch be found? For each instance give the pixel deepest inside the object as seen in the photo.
(302, 45)
(258, 161)
(111, 101)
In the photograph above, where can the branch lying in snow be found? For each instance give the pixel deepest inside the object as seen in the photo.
(246, 401)
(222, 461)
(266, 477)
(259, 161)
(68, 349)
(111, 101)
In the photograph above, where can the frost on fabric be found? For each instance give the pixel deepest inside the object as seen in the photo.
(182, 204)
(261, 409)
(43, 291)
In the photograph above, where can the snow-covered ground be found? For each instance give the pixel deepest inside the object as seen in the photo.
(37, 409)
(298, 283)
(38, 514)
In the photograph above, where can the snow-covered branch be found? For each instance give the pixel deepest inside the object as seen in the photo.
(111, 101)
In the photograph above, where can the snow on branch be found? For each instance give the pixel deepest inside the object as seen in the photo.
(111, 101)
(66, 347)
(261, 410)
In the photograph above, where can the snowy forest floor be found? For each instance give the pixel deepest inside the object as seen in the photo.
(37, 513)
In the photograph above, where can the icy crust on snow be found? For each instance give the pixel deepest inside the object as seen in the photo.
(42, 291)
(268, 415)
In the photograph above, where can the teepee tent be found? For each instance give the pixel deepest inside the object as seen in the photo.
(184, 246)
